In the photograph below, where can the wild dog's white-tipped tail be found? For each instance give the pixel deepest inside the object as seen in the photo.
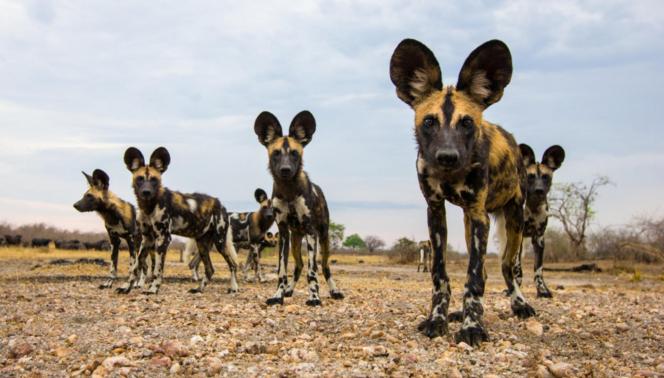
(501, 233)
(230, 248)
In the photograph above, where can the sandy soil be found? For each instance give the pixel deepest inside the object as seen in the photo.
(55, 322)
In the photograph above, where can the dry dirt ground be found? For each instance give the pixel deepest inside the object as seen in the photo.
(55, 322)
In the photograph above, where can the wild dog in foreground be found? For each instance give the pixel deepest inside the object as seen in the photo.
(539, 176)
(119, 219)
(249, 232)
(299, 204)
(469, 162)
(425, 256)
(163, 212)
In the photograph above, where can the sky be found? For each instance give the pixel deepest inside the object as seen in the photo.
(80, 81)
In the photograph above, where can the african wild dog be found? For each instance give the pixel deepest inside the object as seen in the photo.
(249, 232)
(163, 212)
(119, 219)
(469, 162)
(536, 213)
(299, 204)
(425, 256)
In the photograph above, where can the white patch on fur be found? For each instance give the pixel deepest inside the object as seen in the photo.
(282, 206)
(192, 204)
(438, 242)
(479, 85)
(434, 184)
(178, 223)
(421, 165)
(135, 164)
(301, 208)
(421, 256)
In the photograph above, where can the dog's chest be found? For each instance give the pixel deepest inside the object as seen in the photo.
(536, 219)
(295, 213)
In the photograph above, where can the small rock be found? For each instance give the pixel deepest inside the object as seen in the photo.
(195, 340)
(622, 327)
(62, 352)
(100, 372)
(111, 362)
(162, 361)
(660, 368)
(175, 368)
(71, 339)
(462, 345)
(173, 348)
(377, 334)
(292, 308)
(19, 348)
(454, 373)
(213, 365)
(561, 369)
(254, 348)
(535, 327)
(543, 372)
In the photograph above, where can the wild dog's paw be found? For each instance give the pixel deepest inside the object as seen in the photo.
(152, 290)
(275, 301)
(106, 285)
(337, 295)
(195, 290)
(288, 293)
(523, 310)
(232, 290)
(507, 293)
(433, 328)
(455, 317)
(123, 290)
(313, 302)
(472, 336)
(544, 293)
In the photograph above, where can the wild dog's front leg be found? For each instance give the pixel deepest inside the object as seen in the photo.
(436, 324)
(162, 242)
(472, 330)
(203, 248)
(324, 243)
(137, 267)
(115, 249)
(538, 247)
(193, 266)
(312, 274)
(296, 251)
(284, 236)
(258, 269)
(513, 213)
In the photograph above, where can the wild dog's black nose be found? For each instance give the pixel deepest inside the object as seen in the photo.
(539, 191)
(447, 157)
(146, 193)
(77, 206)
(285, 171)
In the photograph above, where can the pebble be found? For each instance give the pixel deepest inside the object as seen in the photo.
(173, 348)
(162, 361)
(175, 368)
(116, 361)
(19, 348)
(535, 327)
(213, 365)
(561, 369)
(195, 340)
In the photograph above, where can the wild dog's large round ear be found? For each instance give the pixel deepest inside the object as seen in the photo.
(88, 178)
(303, 127)
(553, 157)
(527, 154)
(100, 179)
(414, 71)
(267, 128)
(133, 159)
(486, 72)
(260, 195)
(160, 159)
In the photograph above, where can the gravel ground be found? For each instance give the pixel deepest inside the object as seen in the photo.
(55, 322)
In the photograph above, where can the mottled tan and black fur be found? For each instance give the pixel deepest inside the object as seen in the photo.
(119, 219)
(250, 233)
(163, 211)
(469, 162)
(539, 177)
(424, 248)
(299, 205)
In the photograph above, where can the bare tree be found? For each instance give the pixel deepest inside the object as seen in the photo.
(373, 243)
(572, 204)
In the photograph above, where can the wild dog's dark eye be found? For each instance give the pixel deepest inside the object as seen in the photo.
(428, 123)
(295, 154)
(276, 153)
(546, 177)
(88, 196)
(467, 122)
(140, 179)
(531, 176)
(153, 180)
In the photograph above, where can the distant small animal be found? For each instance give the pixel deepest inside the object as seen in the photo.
(99, 245)
(425, 256)
(539, 177)
(40, 242)
(119, 218)
(68, 244)
(299, 205)
(164, 212)
(250, 233)
(13, 240)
